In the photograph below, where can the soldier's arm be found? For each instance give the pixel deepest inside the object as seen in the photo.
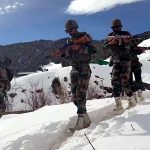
(56, 54)
(85, 39)
(91, 47)
(111, 40)
(60, 52)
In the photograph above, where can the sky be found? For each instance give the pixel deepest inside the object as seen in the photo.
(49, 125)
(26, 20)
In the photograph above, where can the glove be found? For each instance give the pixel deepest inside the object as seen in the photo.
(113, 41)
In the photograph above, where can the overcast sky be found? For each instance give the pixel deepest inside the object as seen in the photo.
(28, 20)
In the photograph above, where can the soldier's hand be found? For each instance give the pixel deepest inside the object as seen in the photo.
(113, 41)
(55, 54)
(126, 39)
(76, 47)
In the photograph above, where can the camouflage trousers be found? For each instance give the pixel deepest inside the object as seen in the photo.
(120, 78)
(137, 73)
(136, 70)
(80, 76)
(4, 86)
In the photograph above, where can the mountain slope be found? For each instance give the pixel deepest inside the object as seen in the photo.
(29, 56)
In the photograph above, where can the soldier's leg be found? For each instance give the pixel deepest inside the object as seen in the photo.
(136, 67)
(83, 120)
(2, 103)
(2, 97)
(74, 82)
(116, 85)
(138, 79)
(4, 86)
(137, 75)
(140, 96)
(125, 76)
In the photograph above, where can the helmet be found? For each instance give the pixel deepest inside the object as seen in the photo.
(71, 24)
(116, 22)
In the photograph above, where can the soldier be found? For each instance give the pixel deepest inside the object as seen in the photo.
(135, 64)
(137, 85)
(5, 78)
(78, 49)
(119, 42)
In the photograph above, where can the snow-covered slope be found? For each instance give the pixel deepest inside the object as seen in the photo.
(47, 128)
(43, 80)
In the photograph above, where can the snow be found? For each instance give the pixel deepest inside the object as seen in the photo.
(43, 80)
(47, 128)
(145, 43)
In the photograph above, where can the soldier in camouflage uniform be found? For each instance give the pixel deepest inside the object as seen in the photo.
(5, 77)
(135, 63)
(137, 85)
(121, 55)
(78, 50)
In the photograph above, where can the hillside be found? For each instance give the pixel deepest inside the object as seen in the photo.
(29, 56)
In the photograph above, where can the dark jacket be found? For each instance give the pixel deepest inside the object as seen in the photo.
(120, 52)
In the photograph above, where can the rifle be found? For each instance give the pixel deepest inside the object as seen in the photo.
(74, 44)
(142, 49)
(122, 38)
(82, 40)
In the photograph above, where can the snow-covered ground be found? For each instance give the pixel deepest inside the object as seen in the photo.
(47, 128)
(43, 80)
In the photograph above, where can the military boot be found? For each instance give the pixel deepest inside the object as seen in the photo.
(87, 120)
(118, 106)
(135, 97)
(139, 95)
(83, 121)
(79, 124)
(131, 102)
(1, 111)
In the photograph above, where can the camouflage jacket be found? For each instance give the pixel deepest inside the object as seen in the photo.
(5, 77)
(79, 51)
(120, 52)
(135, 51)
